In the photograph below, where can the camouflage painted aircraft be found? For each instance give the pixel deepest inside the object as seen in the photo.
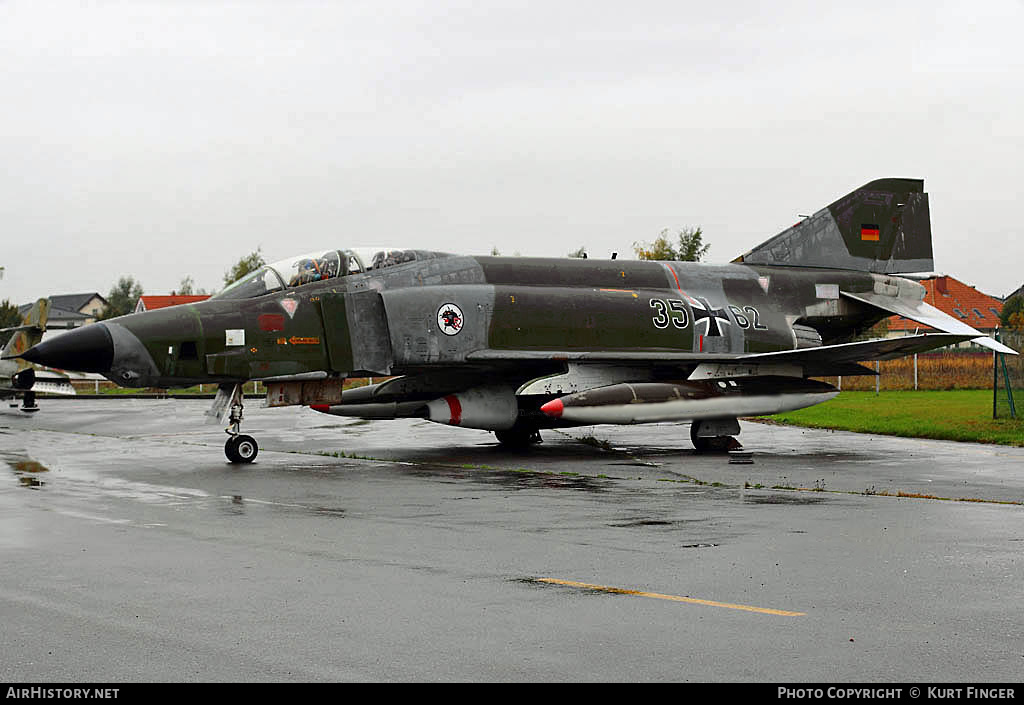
(21, 378)
(517, 344)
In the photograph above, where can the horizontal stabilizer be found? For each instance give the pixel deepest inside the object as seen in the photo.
(17, 328)
(928, 315)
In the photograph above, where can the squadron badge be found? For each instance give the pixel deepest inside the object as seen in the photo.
(449, 319)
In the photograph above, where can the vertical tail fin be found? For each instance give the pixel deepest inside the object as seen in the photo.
(882, 227)
(30, 332)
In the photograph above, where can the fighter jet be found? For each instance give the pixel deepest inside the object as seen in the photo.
(21, 378)
(514, 345)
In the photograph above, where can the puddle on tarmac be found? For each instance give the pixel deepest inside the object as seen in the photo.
(793, 498)
(328, 511)
(514, 479)
(27, 471)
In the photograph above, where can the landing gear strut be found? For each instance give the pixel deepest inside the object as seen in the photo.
(28, 402)
(715, 435)
(239, 447)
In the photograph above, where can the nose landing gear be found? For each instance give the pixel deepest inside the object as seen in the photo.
(239, 448)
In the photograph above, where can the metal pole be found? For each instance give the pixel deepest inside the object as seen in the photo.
(995, 379)
(915, 372)
(877, 377)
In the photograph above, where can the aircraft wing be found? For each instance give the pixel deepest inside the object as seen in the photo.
(492, 355)
(877, 349)
(825, 360)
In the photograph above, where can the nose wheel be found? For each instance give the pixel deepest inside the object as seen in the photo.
(239, 448)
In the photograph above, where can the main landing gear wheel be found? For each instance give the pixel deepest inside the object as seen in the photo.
(241, 449)
(518, 437)
(712, 444)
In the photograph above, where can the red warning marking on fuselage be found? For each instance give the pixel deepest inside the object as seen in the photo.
(673, 273)
(271, 322)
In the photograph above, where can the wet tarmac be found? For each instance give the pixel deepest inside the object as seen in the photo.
(403, 550)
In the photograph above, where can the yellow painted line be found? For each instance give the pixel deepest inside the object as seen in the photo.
(673, 598)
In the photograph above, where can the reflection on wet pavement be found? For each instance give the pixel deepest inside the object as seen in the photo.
(26, 470)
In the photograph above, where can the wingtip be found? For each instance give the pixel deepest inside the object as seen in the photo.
(995, 345)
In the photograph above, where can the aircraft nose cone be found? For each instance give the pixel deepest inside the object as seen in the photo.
(87, 349)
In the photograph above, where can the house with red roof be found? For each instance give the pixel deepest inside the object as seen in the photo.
(954, 298)
(149, 303)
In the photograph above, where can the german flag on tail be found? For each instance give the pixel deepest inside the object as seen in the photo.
(869, 231)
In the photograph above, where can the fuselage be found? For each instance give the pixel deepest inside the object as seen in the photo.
(443, 311)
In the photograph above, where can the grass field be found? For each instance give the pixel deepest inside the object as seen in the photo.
(953, 416)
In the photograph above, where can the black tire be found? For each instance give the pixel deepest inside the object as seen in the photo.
(712, 444)
(518, 437)
(241, 449)
(246, 448)
(231, 450)
(28, 403)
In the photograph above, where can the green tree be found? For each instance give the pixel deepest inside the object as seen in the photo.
(691, 247)
(581, 253)
(9, 318)
(187, 287)
(250, 263)
(1012, 307)
(122, 298)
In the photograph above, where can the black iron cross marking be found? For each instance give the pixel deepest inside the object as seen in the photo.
(710, 315)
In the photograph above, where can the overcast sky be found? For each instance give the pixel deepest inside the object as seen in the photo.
(167, 139)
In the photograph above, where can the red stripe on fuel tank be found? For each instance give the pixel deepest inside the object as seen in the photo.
(454, 410)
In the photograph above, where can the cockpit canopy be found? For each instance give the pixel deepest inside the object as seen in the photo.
(317, 266)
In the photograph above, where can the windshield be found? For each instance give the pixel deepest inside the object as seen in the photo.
(263, 281)
(312, 267)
